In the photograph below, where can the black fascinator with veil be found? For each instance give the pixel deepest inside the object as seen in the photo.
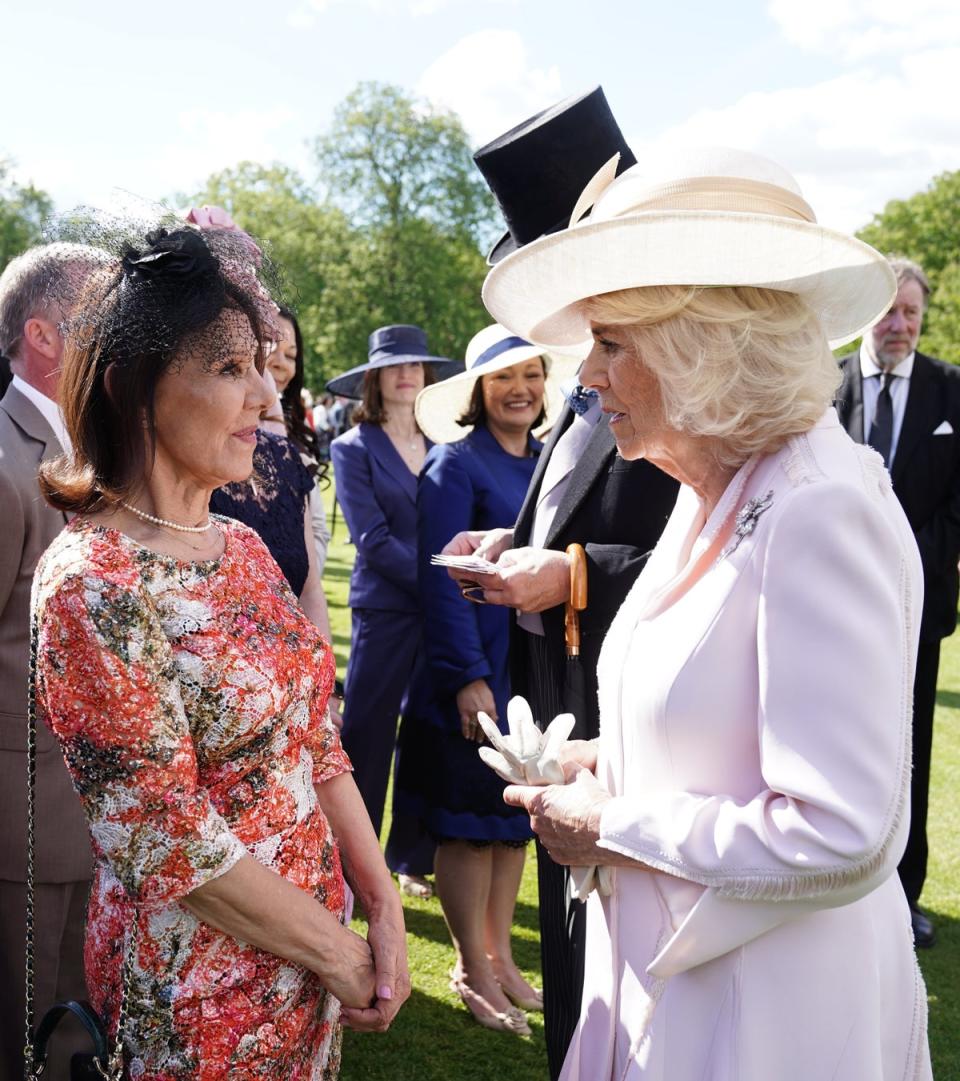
(161, 285)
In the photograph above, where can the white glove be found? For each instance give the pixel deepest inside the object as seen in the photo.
(529, 756)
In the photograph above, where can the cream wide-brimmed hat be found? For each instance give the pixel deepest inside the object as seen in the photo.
(712, 217)
(439, 405)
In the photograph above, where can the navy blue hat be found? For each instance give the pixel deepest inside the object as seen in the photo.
(538, 169)
(399, 343)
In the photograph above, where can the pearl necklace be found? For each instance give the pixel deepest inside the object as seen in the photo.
(163, 521)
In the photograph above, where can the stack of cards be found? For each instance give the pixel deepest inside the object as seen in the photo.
(467, 564)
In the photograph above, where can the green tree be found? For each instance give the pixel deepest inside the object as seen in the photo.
(311, 242)
(394, 238)
(23, 209)
(404, 174)
(926, 228)
(389, 159)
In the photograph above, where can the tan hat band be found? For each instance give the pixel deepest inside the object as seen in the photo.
(735, 194)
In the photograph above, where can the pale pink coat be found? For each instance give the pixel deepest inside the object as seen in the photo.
(755, 734)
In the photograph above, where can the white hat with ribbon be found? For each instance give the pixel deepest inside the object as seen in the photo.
(710, 217)
(439, 405)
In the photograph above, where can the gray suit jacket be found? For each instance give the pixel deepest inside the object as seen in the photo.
(27, 526)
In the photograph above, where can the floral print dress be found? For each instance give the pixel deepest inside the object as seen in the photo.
(190, 702)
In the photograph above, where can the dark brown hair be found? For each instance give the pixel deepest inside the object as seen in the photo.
(129, 332)
(371, 409)
(294, 412)
(476, 412)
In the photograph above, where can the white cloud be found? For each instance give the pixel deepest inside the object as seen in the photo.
(307, 12)
(431, 7)
(856, 29)
(853, 142)
(487, 79)
(212, 139)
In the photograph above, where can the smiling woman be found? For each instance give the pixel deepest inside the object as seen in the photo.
(476, 480)
(189, 693)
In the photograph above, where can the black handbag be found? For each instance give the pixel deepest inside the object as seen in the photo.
(84, 1066)
(100, 1064)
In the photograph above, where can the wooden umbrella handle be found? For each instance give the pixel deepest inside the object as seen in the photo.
(578, 598)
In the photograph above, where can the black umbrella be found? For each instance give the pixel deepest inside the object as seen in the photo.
(574, 682)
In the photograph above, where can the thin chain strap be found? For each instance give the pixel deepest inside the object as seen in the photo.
(114, 1068)
(31, 798)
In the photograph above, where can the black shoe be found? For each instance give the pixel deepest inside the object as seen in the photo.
(924, 934)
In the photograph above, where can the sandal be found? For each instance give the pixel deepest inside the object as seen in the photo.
(415, 886)
(509, 1020)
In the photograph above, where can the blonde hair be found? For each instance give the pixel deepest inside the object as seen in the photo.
(744, 366)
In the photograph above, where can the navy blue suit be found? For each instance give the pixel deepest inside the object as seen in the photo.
(471, 484)
(378, 493)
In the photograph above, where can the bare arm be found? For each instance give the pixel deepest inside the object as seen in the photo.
(254, 904)
(370, 880)
(313, 600)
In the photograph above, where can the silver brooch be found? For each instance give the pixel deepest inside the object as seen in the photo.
(746, 520)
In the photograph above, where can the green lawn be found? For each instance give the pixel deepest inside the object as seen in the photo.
(434, 1038)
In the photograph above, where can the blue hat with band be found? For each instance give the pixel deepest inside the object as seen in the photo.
(399, 343)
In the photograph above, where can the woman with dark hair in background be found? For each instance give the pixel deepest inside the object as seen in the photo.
(188, 691)
(376, 465)
(285, 365)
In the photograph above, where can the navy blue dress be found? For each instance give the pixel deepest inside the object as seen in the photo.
(471, 484)
(272, 503)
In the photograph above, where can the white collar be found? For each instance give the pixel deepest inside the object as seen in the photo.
(868, 366)
(47, 408)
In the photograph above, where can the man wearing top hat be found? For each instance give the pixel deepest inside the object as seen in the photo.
(582, 492)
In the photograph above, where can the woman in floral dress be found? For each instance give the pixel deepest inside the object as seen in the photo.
(189, 694)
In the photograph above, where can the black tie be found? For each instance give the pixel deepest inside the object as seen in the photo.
(881, 431)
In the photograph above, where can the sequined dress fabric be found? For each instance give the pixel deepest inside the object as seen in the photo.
(272, 503)
(190, 701)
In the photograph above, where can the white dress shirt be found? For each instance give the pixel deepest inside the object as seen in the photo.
(49, 410)
(899, 389)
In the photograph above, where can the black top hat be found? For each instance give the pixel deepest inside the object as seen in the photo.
(400, 343)
(538, 169)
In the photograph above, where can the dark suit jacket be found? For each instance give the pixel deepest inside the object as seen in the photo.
(616, 510)
(29, 525)
(925, 474)
(378, 494)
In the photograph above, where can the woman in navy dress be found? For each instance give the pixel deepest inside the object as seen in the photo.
(477, 482)
(376, 465)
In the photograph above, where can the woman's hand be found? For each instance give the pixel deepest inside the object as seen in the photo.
(353, 980)
(367, 874)
(473, 698)
(566, 818)
(578, 754)
(388, 944)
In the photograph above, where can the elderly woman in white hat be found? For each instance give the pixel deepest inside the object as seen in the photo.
(748, 790)
(475, 478)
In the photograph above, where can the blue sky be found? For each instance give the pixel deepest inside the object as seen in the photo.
(856, 97)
